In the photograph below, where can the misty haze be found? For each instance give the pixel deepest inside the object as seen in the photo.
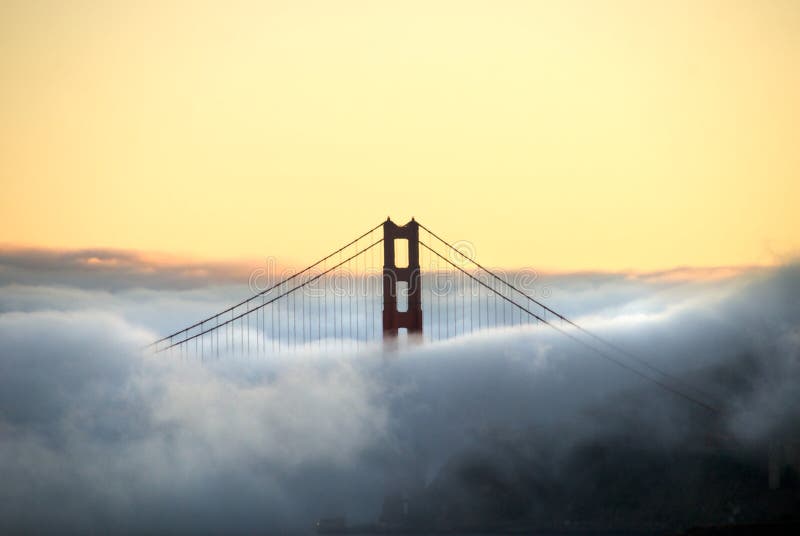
(505, 429)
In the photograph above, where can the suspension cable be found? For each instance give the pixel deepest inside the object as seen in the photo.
(582, 342)
(273, 287)
(580, 328)
(286, 293)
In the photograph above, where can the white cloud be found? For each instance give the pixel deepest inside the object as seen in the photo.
(95, 436)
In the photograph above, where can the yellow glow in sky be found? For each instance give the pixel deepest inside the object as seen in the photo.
(561, 135)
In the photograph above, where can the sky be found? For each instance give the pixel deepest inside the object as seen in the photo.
(632, 164)
(605, 135)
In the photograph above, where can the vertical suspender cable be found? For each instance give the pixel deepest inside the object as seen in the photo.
(447, 305)
(263, 327)
(306, 336)
(355, 287)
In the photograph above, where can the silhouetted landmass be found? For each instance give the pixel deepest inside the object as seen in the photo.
(603, 485)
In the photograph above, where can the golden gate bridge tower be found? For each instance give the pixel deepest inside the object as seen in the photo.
(411, 317)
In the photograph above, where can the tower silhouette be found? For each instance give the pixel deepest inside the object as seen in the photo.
(411, 319)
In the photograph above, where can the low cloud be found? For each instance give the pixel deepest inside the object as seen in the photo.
(96, 436)
(119, 269)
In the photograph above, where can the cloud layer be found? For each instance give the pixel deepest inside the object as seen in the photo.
(97, 437)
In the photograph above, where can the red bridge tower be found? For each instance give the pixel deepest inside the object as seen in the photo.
(411, 319)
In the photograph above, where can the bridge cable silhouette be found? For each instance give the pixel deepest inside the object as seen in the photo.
(563, 318)
(264, 304)
(169, 337)
(595, 349)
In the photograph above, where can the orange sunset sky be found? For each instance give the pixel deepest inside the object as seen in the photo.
(568, 135)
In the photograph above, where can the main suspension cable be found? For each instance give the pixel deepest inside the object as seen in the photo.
(286, 293)
(580, 328)
(273, 287)
(598, 351)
